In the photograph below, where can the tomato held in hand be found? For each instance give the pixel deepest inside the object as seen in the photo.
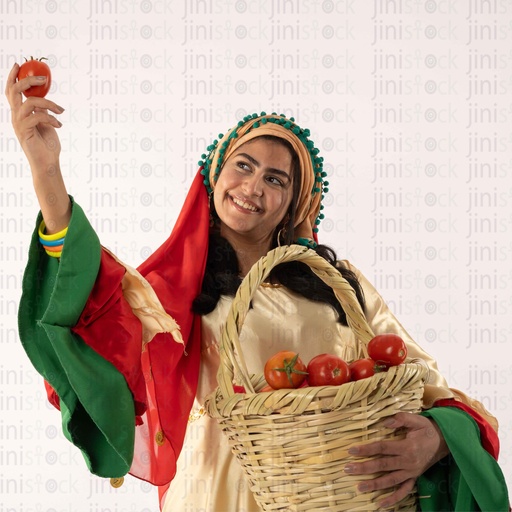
(327, 370)
(362, 369)
(36, 67)
(285, 370)
(387, 349)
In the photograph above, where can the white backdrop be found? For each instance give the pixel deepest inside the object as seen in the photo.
(410, 104)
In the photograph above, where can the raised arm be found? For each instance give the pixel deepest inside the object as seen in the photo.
(35, 128)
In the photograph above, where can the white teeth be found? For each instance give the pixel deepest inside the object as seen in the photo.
(245, 205)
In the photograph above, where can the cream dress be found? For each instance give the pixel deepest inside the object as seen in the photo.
(209, 478)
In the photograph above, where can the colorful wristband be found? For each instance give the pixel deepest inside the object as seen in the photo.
(58, 248)
(54, 243)
(53, 236)
(51, 243)
(54, 254)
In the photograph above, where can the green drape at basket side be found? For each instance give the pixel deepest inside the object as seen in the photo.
(469, 479)
(96, 404)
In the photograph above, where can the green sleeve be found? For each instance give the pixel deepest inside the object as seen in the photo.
(469, 479)
(95, 401)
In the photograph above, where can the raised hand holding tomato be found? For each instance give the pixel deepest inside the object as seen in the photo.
(34, 126)
(387, 349)
(328, 370)
(37, 68)
(285, 370)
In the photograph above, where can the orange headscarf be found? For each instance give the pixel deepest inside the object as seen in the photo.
(311, 189)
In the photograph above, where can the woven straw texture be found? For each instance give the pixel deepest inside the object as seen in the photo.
(293, 444)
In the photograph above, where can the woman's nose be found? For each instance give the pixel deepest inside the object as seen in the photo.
(253, 185)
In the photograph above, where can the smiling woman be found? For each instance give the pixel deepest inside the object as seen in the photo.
(252, 196)
(130, 355)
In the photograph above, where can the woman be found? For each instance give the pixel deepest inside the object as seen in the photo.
(260, 185)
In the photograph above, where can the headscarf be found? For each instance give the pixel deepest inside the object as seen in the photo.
(312, 184)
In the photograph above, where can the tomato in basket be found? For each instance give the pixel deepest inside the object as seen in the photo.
(328, 370)
(364, 368)
(387, 349)
(285, 370)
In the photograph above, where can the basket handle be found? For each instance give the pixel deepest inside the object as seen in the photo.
(230, 342)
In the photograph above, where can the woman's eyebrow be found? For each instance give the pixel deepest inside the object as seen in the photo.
(257, 164)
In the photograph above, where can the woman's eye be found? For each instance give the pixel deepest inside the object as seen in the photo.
(274, 180)
(244, 166)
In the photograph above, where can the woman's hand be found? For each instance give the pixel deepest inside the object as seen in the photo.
(402, 461)
(35, 127)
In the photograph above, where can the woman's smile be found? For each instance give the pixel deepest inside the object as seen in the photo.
(254, 191)
(244, 205)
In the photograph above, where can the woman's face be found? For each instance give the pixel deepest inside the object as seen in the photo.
(254, 190)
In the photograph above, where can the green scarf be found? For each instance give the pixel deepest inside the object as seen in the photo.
(467, 480)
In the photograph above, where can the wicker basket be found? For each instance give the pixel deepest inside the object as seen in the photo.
(293, 444)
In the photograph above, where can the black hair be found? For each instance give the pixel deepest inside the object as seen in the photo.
(222, 278)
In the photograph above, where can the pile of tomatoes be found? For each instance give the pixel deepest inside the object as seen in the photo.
(285, 370)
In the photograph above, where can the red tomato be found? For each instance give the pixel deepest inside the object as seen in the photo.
(362, 369)
(285, 370)
(387, 349)
(327, 370)
(36, 67)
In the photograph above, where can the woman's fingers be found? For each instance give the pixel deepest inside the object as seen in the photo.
(14, 88)
(404, 489)
(381, 464)
(40, 118)
(27, 82)
(386, 481)
(34, 111)
(384, 447)
(34, 104)
(399, 482)
(398, 461)
(13, 97)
